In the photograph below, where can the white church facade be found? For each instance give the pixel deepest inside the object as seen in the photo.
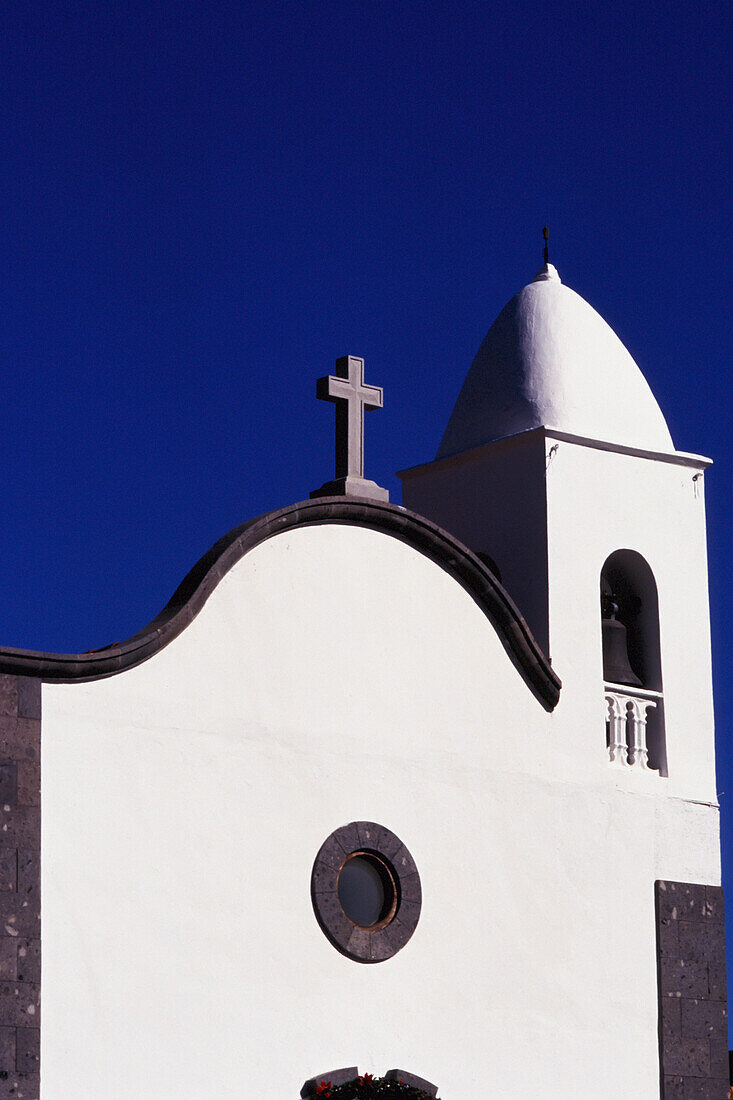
(425, 792)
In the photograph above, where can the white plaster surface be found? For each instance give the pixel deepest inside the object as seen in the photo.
(337, 675)
(550, 359)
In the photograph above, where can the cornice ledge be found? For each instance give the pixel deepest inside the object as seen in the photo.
(193, 592)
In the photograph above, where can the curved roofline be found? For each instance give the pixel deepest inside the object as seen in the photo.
(193, 592)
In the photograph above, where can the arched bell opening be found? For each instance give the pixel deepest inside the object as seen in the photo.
(632, 665)
(628, 583)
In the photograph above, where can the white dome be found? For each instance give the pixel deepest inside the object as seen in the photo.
(550, 360)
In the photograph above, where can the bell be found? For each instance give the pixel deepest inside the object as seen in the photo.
(616, 666)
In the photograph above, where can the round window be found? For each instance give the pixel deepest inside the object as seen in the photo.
(366, 891)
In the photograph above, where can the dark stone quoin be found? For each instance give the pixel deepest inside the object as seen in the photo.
(20, 887)
(693, 1017)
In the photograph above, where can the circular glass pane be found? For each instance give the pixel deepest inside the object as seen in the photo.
(366, 890)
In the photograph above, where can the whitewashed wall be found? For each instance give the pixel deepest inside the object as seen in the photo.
(335, 675)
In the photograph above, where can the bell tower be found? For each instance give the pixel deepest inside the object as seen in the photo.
(558, 469)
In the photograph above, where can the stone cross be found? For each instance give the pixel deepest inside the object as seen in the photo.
(351, 396)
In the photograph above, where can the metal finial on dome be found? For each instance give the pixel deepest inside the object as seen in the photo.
(547, 272)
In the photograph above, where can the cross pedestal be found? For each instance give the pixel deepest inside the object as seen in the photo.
(351, 396)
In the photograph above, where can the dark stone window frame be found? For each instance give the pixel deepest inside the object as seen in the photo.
(365, 945)
(346, 1076)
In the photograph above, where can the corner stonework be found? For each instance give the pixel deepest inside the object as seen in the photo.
(693, 1017)
(20, 887)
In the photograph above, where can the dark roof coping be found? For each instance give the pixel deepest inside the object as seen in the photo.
(197, 586)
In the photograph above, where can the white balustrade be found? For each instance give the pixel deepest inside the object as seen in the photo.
(626, 724)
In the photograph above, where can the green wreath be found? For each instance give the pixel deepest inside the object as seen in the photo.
(367, 1087)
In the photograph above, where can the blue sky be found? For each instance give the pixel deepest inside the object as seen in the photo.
(204, 204)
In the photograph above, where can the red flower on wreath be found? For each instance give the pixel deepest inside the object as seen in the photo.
(324, 1089)
(365, 1078)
